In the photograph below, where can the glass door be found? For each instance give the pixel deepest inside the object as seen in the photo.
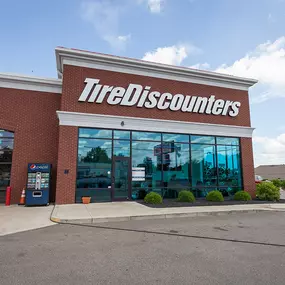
(121, 178)
(6, 151)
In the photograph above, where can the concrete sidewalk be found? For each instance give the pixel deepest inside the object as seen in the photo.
(15, 218)
(124, 211)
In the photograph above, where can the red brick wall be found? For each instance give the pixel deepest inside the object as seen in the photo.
(73, 84)
(248, 166)
(67, 160)
(32, 116)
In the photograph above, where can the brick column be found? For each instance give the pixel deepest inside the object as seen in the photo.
(248, 166)
(67, 163)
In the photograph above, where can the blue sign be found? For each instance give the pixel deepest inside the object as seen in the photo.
(38, 167)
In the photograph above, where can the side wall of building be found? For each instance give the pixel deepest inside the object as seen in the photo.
(31, 115)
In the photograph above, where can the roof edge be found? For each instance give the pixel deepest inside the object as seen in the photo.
(25, 82)
(149, 67)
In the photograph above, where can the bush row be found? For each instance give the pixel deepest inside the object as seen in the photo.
(187, 196)
(279, 183)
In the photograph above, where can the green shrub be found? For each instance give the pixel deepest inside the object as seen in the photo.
(242, 196)
(277, 182)
(185, 196)
(282, 184)
(215, 196)
(267, 191)
(153, 198)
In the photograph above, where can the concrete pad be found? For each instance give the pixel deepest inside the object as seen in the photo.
(125, 211)
(71, 213)
(15, 218)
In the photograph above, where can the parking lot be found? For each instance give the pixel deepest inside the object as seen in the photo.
(232, 249)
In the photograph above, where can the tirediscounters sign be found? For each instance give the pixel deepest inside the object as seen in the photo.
(143, 97)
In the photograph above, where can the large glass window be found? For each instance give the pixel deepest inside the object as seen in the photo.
(204, 170)
(229, 169)
(95, 133)
(146, 136)
(175, 157)
(145, 155)
(94, 169)
(161, 162)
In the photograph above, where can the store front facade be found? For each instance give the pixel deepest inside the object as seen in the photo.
(116, 128)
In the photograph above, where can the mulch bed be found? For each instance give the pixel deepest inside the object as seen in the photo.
(168, 203)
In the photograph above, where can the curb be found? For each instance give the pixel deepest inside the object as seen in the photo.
(155, 216)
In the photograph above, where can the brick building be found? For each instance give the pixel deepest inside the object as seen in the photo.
(116, 128)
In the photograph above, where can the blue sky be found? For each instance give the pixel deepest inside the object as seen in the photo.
(240, 37)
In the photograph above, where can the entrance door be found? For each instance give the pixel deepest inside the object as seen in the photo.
(6, 151)
(121, 178)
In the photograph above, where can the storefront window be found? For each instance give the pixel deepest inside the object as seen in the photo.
(94, 169)
(203, 139)
(175, 138)
(228, 141)
(175, 157)
(204, 170)
(121, 148)
(95, 133)
(146, 136)
(160, 162)
(229, 169)
(124, 135)
(145, 155)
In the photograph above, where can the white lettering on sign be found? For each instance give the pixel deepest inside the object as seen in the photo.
(139, 96)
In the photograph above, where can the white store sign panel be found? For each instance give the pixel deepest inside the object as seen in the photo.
(138, 174)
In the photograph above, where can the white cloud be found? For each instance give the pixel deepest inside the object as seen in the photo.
(154, 6)
(104, 16)
(173, 55)
(270, 18)
(267, 64)
(269, 150)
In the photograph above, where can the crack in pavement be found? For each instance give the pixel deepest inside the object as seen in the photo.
(172, 233)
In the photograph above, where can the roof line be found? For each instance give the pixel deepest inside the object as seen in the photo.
(72, 55)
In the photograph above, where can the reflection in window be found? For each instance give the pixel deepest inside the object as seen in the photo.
(203, 139)
(168, 162)
(229, 141)
(124, 135)
(144, 136)
(94, 168)
(229, 169)
(95, 133)
(145, 155)
(204, 171)
(175, 168)
(122, 148)
(175, 138)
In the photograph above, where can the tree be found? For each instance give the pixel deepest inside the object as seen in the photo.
(97, 155)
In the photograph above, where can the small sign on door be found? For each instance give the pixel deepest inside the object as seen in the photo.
(138, 173)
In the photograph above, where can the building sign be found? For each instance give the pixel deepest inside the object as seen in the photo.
(138, 173)
(165, 147)
(143, 97)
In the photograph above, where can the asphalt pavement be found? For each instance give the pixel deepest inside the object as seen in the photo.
(231, 249)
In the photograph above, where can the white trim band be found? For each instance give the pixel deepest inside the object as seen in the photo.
(30, 83)
(145, 68)
(152, 125)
